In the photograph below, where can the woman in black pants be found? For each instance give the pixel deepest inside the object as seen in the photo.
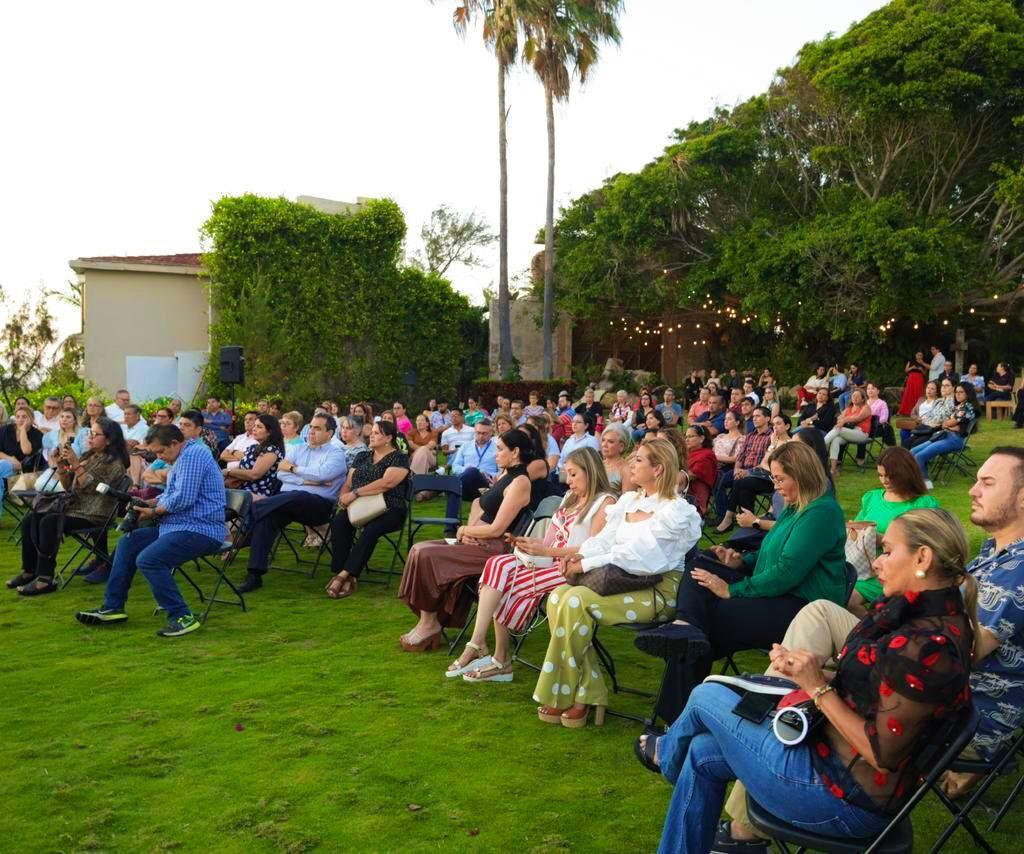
(106, 461)
(382, 470)
(729, 602)
(758, 481)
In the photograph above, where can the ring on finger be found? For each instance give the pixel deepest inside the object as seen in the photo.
(789, 661)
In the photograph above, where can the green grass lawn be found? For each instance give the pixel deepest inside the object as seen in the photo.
(300, 725)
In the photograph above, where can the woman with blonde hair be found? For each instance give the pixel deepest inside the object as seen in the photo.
(641, 549)
(616, 443)
(730, 602)
(94, 409)
(902, 678)
(512, 585)
(291, 428)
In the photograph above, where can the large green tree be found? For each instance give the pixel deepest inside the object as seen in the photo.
(876, 185)
(321, 305)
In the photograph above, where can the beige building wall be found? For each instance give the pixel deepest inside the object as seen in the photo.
(528, 340)
(140, 313)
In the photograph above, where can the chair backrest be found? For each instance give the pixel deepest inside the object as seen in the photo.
(437, 483)
(237, 504)
(876, 427)
(547, 507)
(522, 523)
(851, 580)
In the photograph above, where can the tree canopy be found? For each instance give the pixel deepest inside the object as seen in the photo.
(322, 307)
(877, 184)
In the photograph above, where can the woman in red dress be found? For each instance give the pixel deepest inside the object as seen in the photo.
(913, 388)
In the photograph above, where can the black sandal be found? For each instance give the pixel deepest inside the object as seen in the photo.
(645, 752)
(20, 580)
(33, 588)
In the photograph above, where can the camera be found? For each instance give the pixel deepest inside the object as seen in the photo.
(131, 517)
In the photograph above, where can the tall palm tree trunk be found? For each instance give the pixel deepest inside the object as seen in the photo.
(549, 241)
(504, 320)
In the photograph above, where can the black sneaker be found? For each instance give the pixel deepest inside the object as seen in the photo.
(182, 626)
(101, 617)
(725, 844)
(253, 581)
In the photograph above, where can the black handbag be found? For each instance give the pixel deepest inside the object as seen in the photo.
(609, 579)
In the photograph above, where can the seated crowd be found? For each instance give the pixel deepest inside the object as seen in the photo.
(914, 629)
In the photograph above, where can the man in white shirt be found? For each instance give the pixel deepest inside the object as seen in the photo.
(311, 475)
(135, 430)
(49, 418)
(233, 453)
(457, 435)
(115, 411)
(938, 364)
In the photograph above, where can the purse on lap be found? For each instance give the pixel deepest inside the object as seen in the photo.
(609, 579)
(861, 547)
(365, 509)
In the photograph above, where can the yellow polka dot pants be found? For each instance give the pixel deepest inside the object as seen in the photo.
(571, 672)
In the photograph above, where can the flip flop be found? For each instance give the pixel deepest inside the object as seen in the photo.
(646, 752)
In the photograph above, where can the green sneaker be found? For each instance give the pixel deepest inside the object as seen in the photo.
(179, 627)
(101, 617)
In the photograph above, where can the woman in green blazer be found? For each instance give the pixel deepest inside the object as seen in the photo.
(729, 602)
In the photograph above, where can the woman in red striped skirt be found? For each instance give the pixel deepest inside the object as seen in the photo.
(512, 585)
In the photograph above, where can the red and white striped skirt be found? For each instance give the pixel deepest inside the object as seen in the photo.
(521, 588)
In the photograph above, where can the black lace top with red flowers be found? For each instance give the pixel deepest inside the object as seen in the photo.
(905, 670)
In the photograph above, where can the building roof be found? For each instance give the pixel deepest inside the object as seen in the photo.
(182, 262)
(182, 259)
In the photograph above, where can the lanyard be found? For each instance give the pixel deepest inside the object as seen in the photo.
(480, 454)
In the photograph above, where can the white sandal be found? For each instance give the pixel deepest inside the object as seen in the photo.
(475, 664)
(495, 667)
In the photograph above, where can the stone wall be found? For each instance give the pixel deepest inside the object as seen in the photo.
(528, 342)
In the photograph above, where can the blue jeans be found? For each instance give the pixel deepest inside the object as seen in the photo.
(722, 490)
(6, 470)
(156, 556)
(708, 747)
(943, 443)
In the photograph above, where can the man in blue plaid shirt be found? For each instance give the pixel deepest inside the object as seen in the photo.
(189, 523)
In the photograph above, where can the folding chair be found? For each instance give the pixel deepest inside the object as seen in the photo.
(898, 836)
(88, 538)
(323, 545)
(20, 503)
(236, 512)
(444, 484)
(864, 449)
(1006, 762)
(959, 461)
(521, 527)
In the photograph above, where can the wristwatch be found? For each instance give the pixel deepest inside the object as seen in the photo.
(756, 524)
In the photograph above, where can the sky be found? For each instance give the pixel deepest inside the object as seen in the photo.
(126, 120)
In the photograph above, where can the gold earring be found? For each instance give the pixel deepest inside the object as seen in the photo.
(921, 573)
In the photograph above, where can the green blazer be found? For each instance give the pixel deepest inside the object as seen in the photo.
(804, 554)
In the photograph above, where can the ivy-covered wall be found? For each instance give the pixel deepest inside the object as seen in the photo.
(323, 307)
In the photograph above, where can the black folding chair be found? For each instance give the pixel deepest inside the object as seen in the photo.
(959, 461)
(19, 504)
(519, 528)
(236, 513)
(88, 539)
(1005, 762)
(864, 449)
(898, 836)
(323, 545)
(444, 484)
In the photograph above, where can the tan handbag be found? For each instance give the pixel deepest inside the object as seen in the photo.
(365, 509)
(861, 547)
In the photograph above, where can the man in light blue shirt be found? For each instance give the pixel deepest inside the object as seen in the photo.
(311, 475)
(476, 465)
(190, 517)
(672, 411)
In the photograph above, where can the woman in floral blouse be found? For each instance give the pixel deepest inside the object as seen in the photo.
(257, 472)
(902, 680)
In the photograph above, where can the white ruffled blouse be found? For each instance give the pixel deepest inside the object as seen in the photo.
(647, 547)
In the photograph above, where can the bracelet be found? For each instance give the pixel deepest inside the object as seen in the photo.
(819, 693)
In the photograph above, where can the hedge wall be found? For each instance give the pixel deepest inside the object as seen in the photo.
(322, 307)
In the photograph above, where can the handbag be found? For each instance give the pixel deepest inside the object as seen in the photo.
(609, 579)
(365, 509)
(533, 561)
(861, 546)
(25, 482)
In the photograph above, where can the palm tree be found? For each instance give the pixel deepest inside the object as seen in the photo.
(560, 34)
(501, 33)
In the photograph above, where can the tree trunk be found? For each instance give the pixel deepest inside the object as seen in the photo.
(504, 320)
(549, 241)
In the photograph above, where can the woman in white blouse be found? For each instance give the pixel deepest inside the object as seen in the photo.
(621, 412)
(647, 533)
(580, 438)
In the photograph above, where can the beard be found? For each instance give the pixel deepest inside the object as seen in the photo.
(996, 519)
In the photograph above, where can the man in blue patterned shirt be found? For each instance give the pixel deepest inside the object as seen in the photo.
(189, 519)
(997, 505)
